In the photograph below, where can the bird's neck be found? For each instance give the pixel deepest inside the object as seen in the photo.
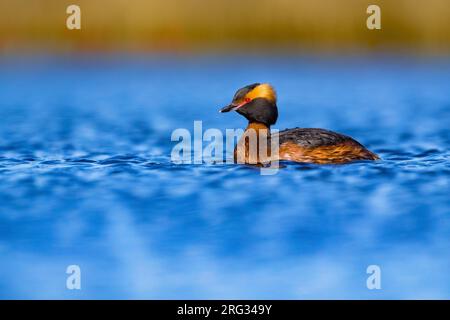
(254, 145)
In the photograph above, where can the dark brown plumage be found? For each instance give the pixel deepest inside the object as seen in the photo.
(320, 146)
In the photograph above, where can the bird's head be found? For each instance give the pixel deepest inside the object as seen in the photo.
(257, 102)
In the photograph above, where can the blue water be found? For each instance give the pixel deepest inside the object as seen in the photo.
(86, 179)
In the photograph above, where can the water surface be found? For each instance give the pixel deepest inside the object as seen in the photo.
(86, 179)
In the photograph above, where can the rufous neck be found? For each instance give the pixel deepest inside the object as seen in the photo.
(257, 126)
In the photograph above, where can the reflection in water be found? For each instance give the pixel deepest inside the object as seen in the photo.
(86, 179)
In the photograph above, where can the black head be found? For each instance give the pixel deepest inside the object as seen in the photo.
(256, 102)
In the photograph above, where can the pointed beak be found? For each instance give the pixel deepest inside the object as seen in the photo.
(227, 108)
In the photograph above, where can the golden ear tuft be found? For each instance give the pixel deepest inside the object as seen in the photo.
(264, 90)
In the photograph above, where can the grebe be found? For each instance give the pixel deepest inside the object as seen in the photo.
(258, 104)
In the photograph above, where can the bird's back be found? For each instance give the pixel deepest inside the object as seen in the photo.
(313, 137)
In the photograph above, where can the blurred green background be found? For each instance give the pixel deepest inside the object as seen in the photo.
(190, 26)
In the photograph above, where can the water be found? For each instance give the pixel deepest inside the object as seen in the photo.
(86, 179)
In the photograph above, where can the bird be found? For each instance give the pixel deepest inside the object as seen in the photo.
(257, 102)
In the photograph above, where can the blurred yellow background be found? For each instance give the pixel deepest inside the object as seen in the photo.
(414, 26)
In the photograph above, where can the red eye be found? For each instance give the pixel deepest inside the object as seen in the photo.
(247, 99)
